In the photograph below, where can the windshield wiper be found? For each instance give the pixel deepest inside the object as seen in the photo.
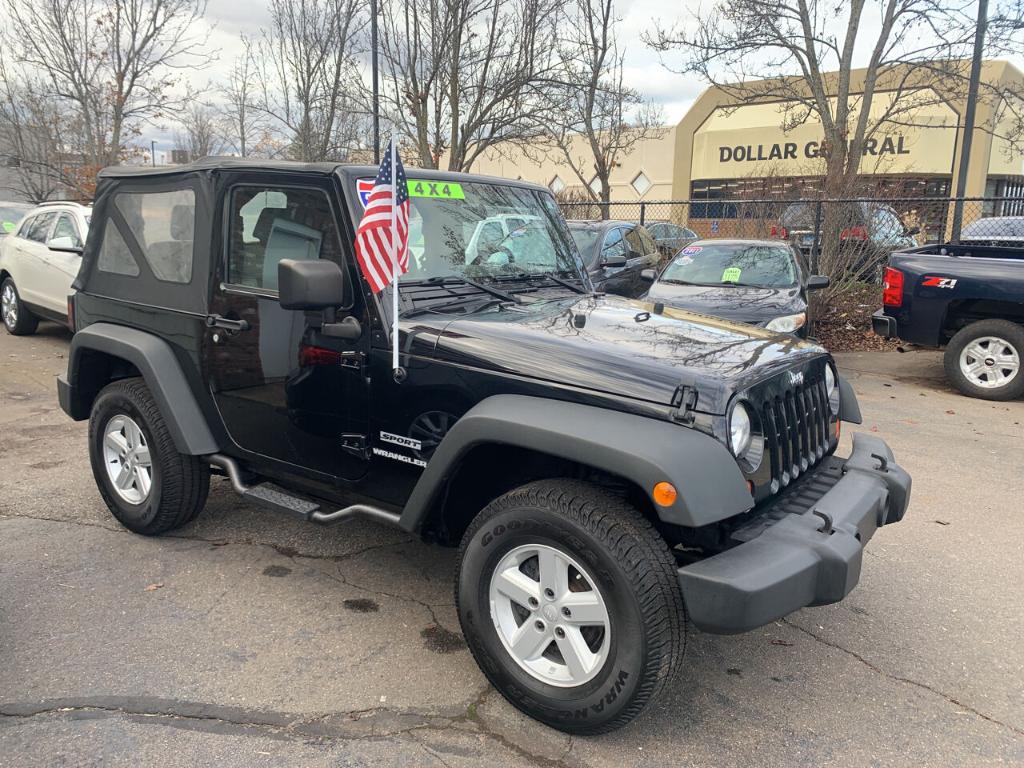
(544, 276)
(457, 279)
(482, 303)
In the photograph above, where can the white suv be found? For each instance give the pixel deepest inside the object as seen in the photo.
(38, 262)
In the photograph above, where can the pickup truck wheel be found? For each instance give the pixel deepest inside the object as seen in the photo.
(147, 485)
(984, 360)
(17, 319)
(569, 601)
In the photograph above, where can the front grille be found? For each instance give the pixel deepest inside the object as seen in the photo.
(796, 431)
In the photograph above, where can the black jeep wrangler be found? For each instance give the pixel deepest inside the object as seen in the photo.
(609, 469)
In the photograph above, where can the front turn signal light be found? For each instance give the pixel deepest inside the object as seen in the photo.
(664, 494)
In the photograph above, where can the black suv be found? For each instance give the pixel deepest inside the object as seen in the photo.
(599, 464)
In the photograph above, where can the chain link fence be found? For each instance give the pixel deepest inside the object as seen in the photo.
(849, 238)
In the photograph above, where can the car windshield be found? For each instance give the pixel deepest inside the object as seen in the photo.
(766, 266)
(480, 231)
(586, 238)
(995, 228)
(10, 215)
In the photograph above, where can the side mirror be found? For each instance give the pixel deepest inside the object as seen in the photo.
(310, 285)
(616, 260)
(817, 282)
(65, 244)
(648, 275)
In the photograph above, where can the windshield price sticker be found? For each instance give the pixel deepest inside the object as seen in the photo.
(731, 275)
(444, 190)
(9, 226)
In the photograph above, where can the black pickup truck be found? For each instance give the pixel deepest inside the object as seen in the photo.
(967, 298)
(610, 470)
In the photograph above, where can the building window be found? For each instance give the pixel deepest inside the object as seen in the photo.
(556, 185)
(641, 184)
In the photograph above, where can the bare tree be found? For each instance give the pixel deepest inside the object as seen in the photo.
(801, 53)
(113, 64)
(200, 134)
(596, 119)
(308, 77)
(461, 76)
(242, 121)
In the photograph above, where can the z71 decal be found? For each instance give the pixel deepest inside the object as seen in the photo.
(939, 282)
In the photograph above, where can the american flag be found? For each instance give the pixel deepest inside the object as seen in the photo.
(375, 235)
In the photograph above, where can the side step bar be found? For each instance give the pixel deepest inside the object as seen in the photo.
(272, 497)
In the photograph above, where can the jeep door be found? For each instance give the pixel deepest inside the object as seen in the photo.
(286, 394)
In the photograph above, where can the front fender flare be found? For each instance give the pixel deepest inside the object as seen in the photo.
(646, 451)
(155, 360)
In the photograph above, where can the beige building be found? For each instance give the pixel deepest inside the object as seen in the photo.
(724, 150)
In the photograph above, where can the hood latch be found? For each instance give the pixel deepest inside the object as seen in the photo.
(684, 400)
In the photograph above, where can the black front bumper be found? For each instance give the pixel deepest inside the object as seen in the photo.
(883, 324)
(808, 557)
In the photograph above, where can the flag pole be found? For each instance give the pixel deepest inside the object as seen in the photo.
(399, 373)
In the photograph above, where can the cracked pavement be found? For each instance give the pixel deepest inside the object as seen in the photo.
(250, 639)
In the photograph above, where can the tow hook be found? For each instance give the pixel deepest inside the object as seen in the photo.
(827, 527)
(883, 463)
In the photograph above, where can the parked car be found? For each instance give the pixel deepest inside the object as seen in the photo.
(10, 215)
(751, 281)
(615, 253)
(869, 232)
(670, 238)
(595, 463)
(1006, 231)
(967, 298)
(39, 260)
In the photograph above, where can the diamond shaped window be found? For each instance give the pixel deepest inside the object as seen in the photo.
(641, 184)
(556, 185)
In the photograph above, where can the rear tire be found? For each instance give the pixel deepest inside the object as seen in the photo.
(18, 320)
(147, 485)
(633, 624)
(985, 358)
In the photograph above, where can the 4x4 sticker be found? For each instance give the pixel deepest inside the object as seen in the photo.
(402, 440)
(939, 282)
(444, 190)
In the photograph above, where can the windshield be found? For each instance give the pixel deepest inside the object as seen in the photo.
(766, 266)
(995, 228)
(480, 231)
(10, 215)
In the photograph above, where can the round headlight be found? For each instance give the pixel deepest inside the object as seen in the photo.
(739, 430)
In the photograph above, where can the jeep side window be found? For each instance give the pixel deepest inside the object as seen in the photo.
(273, 223)
(163, 226)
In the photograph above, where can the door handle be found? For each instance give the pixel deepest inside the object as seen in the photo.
(218, 321)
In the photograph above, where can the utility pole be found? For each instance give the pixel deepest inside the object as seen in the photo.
(969, 113)
(152, 153)
(376, 85)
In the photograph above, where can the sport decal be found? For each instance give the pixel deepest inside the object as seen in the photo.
(939, 282)
(405, 442)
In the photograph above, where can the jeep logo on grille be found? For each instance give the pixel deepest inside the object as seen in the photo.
(796, 378)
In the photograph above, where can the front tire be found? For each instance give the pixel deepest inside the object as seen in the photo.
(984, 360)
(147, 485)
(16, 317)
(569, 601)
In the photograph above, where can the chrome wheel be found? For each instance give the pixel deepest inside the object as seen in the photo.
(550, 615)
(989, 362)
(9, 305)
(126, 456)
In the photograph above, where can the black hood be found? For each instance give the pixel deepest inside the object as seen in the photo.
(739, 303)
(615, 345)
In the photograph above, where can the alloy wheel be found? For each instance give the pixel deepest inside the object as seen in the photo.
(989, 362)
(126, 456)
(550, 615)
(9, 305)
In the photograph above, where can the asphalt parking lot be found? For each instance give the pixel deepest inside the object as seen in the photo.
(247, 639)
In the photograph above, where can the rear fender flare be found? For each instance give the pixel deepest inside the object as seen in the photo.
(155, 360)
(709, 484)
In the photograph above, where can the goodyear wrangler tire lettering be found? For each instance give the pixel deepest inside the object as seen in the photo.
(617, 553)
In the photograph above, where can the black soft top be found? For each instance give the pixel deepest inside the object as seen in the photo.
(348, 170)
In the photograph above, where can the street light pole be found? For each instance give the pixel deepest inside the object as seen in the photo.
(152, 153)
(376, 86)
(969, 114)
